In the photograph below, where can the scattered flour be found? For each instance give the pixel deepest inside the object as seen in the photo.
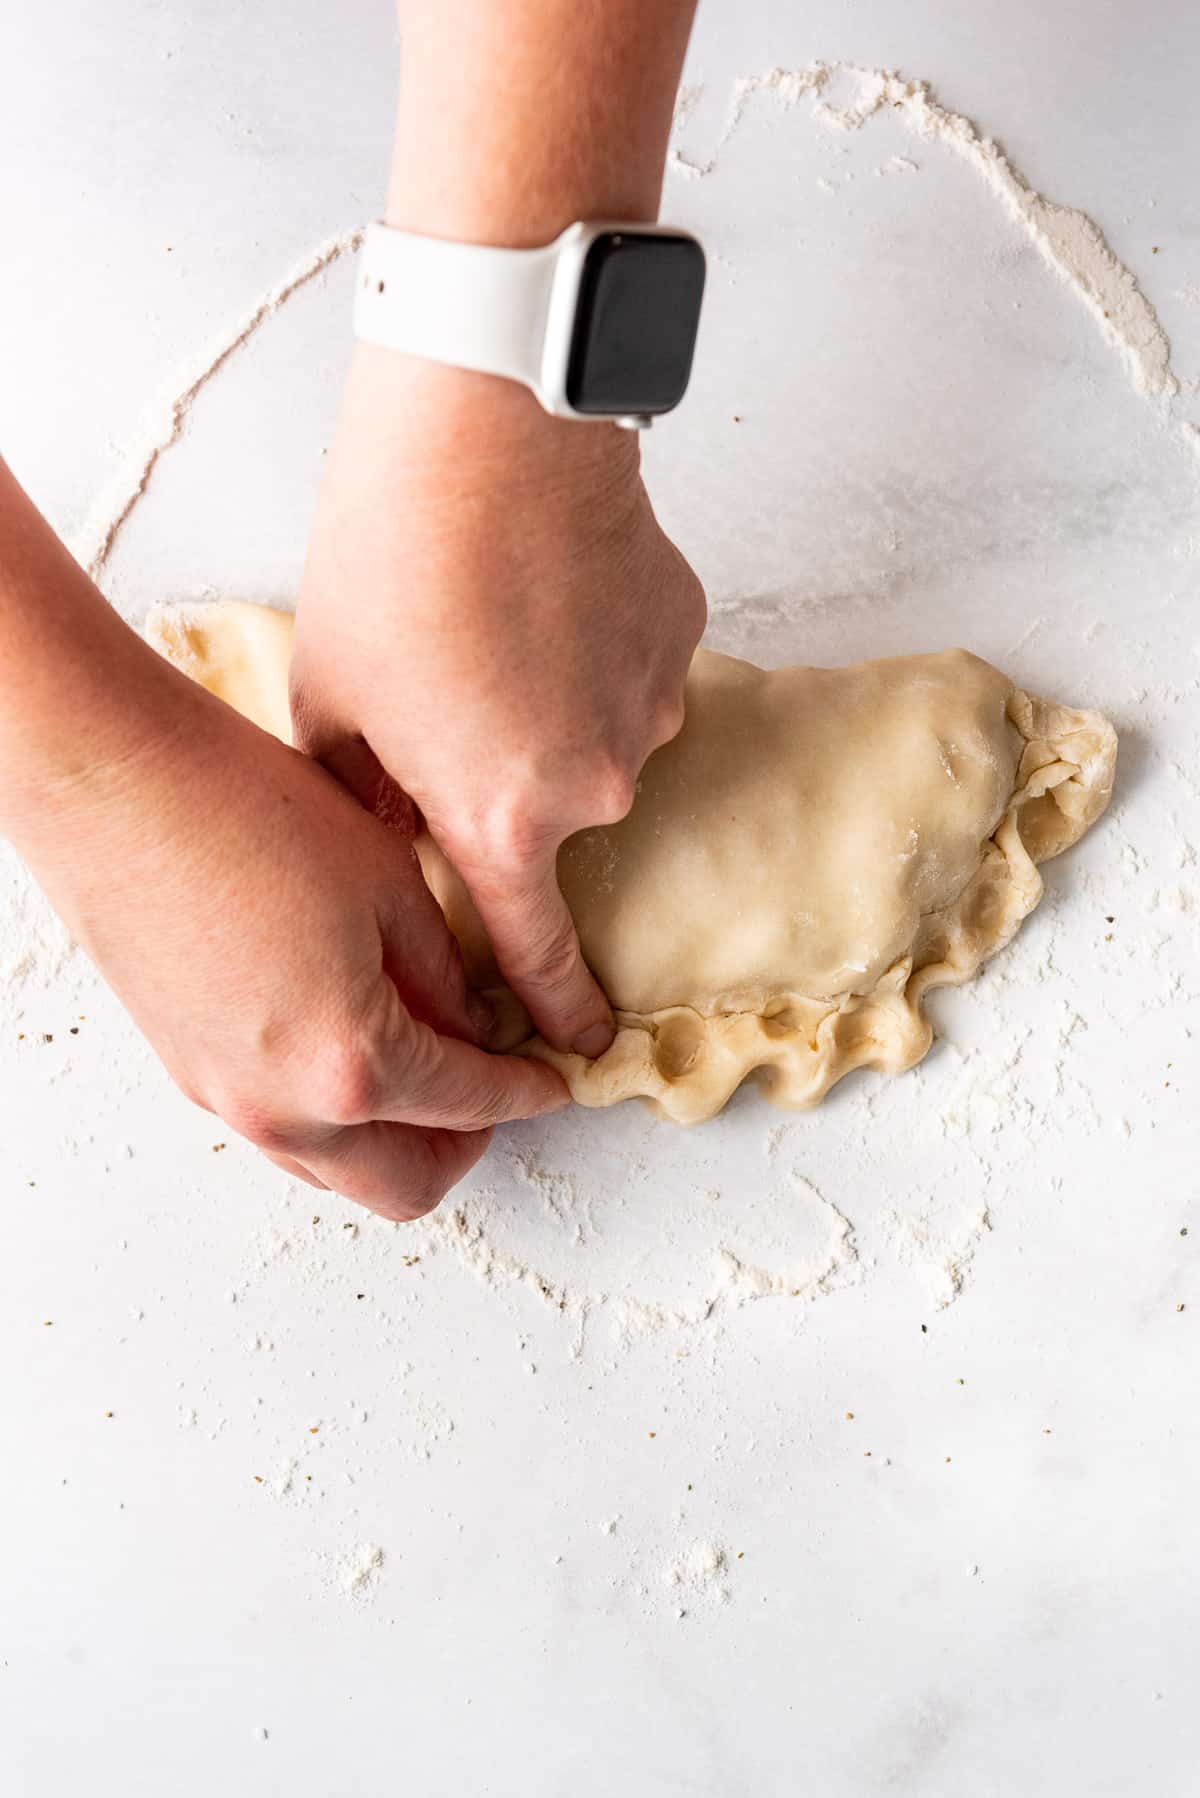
(940, 1248)
(814, 1241)
(846, 97)
(112, 508)
(700, 1573)
(358, 1569)
(1070, 242)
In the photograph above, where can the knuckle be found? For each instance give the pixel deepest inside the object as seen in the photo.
(192, 1092)
(420, 1191)
(512, 841)
(419, 1200)
(419, 1053)
(697, 608)
(259, 1123)
(613, 790)
(667, 720)
(349, 1088)
(480, 1110)
(403, 1208)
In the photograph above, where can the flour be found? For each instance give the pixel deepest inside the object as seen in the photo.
(699, 1573)
(1070, 242)
(812, 1238)
(357, 1569)
(111, 510)
(941, 1250)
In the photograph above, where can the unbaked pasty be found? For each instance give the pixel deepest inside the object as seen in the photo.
(816, 850)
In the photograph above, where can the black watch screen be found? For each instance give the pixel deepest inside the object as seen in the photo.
(635, 323)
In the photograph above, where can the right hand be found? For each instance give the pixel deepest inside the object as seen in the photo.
(276, 943)
(506, 571)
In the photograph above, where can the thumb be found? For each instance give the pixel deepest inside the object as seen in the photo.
(420, 955)
(538, 952)
(436, 1080)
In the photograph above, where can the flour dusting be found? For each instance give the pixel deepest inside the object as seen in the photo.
(847, 97)
(358, 1569)
(701, 1573)
(112, 508)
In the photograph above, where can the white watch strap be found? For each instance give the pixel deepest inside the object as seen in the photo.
(470, 305)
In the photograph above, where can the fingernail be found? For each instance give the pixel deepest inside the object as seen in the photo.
(482, 1013)
(593, 1041)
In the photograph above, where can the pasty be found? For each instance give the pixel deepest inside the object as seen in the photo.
(816, 850)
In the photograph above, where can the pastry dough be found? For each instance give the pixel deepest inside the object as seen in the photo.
(816, 850)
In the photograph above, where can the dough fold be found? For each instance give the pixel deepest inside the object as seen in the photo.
(816, 850)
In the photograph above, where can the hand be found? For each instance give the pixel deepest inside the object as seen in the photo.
(491, 613)
(276, 944)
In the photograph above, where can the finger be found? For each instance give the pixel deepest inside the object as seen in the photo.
(396, 1170)
(345, 752)
(353, 763)
(293, 1170)
(420, 953)
(422, 957)
(439, 1081)
(537, 950)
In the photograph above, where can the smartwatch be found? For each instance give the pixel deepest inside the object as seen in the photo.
(600, 324)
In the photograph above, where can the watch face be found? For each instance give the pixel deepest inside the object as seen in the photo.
(635, 323)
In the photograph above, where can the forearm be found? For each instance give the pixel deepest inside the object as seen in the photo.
(515, 119)
(81, 695)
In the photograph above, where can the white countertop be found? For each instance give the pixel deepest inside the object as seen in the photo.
(844, 1453)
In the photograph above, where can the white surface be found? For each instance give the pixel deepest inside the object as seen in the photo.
(935, 445)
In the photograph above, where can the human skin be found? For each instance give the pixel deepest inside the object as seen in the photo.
(490, 612)
(489, 605)
(275, 942)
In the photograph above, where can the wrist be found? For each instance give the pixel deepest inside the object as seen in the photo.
(455, 428)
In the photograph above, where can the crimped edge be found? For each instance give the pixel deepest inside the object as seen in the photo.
(686, 1065)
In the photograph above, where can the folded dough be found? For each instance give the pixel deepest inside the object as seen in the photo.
(816, 850)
